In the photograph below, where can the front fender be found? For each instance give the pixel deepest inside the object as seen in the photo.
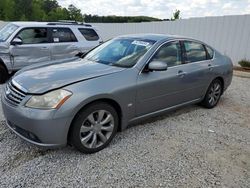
(7, 61)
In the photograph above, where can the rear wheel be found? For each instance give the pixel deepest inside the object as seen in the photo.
(3, 74)
(94, 128)
(213, 94)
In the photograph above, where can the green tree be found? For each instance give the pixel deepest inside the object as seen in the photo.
(50, 5)
(75, 13)
(58, 14)
(38, 14)
(50, 10)
(176, 15)
(6, 10)
(23, 18)
(23, 8)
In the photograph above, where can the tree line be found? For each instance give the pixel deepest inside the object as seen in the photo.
(50, 10)
(37, 10)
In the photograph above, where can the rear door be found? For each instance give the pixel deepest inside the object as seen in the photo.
(35, 47)
(198, 68)
(64, 43)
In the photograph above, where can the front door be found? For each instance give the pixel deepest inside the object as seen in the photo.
(34, 48)
(162, 89)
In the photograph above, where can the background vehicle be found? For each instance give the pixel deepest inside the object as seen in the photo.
(122, 81)
(27, 43)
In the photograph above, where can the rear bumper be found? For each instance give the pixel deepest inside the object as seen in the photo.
(228, 80)
(36, 126)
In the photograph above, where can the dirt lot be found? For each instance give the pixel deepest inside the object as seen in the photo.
(191, 147)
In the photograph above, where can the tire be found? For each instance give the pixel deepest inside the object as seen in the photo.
(94, 127)
(3, 74)
(213, 94)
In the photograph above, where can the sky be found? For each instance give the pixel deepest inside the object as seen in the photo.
(161, 8)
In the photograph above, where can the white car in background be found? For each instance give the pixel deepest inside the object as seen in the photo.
(27, 43)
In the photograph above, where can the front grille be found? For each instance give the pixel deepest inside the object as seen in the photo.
(13, 94)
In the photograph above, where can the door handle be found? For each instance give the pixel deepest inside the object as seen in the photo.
(44, 48)
(210, 67)
(181, 73)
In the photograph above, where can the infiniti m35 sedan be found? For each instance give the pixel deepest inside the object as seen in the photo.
(85, 102)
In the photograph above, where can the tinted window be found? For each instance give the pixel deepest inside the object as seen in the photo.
(89, 34)
(63, 35)
(195, 51)
(210, 52)
(33, 36)
(169, 53)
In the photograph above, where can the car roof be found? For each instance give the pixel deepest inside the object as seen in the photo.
(48, 24)
(155, 37)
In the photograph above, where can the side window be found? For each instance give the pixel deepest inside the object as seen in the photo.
(63, 35)
(89, 34)
(169, 53)
(195, 51)
(33, 36)
(210, 52)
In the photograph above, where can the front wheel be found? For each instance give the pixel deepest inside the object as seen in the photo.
(213, 94)
(94, 127)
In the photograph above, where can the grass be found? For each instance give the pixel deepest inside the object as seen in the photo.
(244, 63)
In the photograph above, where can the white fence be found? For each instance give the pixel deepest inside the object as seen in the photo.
(228, 34)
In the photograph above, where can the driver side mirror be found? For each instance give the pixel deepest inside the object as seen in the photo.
(81, 54)
(157, 66)
(16, 41)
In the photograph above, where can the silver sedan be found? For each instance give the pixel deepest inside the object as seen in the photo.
(125, 80)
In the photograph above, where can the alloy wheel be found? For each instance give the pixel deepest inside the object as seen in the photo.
(96, 129)
(214, 93)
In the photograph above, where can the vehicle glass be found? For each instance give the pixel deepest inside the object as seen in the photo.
(195, 51)
(120, 52)
(33, 36)
(7, 31)
(210, 52)
(89, 34)
(63, 35)
(169, 53)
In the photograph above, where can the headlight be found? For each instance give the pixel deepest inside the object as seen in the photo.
(51, 100)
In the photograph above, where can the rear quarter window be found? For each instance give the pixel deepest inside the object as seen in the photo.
(210, 52)
(89, 34)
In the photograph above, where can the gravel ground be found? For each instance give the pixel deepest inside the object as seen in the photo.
(191, 147)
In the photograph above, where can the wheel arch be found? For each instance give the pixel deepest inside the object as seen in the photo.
(3, 64)
(4, 72)
(222, 82)
(109, 101)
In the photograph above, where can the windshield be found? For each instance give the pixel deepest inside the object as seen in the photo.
(120, 52)
(6, 31)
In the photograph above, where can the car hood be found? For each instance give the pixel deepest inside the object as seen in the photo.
(40, 79)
